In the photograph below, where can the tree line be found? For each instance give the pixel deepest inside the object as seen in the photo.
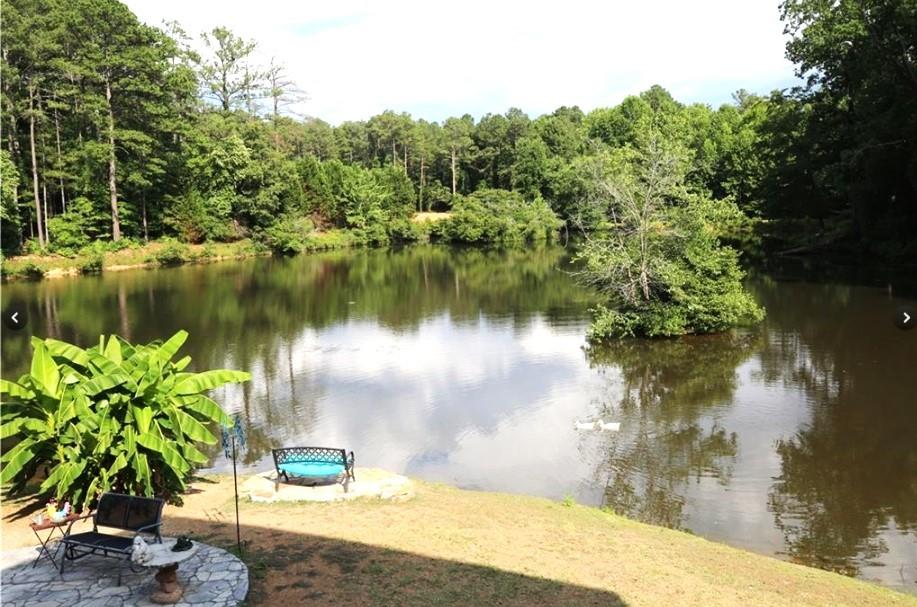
(115, 130)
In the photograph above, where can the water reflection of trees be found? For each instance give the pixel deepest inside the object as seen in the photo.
(253, 314)
(853, 469)
(667, 399)
(253, 305)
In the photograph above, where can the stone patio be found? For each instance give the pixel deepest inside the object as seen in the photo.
(211, 578)
(372, 483)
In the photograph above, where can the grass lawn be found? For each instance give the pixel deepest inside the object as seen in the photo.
(452, 547)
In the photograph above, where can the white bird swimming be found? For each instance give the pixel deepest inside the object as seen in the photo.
(598, 425)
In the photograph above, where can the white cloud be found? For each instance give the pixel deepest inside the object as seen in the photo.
(356, 59)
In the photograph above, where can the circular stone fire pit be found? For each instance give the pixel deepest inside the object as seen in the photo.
(210, 578)
(371, 483)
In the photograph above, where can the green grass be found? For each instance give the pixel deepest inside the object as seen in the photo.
(451, 548)
(149, 255)
(166, 252)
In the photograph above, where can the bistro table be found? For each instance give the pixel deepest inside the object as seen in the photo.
(162, 557)
(51, 525)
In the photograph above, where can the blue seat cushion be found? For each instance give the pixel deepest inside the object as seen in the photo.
(312, 469)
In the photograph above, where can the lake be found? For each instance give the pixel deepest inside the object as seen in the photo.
(797, 438)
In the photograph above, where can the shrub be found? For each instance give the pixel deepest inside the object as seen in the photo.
(67, 235)
(255, 246)
(410, 231)
(332, 239)
(92, 264)
(121, 245)
(436, 196)
(10, 220)
(32, 247)
(208, 251)
(31, 271)
(286, 236)
(114, 417)
(81, 225)
(499, 216)
(172, 253)
(196, 217)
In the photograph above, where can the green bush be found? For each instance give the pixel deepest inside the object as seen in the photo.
(81, 225)
(67, 234)
(114, 417)
(32, 247)
(121, 245)
(172, 253)
(197, 217)
(31, 271)
(208, 251)
(101, 247)
(332, 239)
(405, 230)
(92, 264)
(10, 219)
(498, 216)
(287, 236)
(255, 247)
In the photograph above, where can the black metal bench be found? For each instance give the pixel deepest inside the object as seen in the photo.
(115, 511)
(315, 463)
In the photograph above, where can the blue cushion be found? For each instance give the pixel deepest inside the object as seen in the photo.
(312, 468)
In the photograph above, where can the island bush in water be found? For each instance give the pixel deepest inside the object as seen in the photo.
(660, 259)
(114, 417)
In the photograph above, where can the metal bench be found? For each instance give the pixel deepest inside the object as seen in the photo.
(115, 511)
(315, 463)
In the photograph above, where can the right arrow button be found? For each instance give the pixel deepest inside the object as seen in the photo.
(906, 317)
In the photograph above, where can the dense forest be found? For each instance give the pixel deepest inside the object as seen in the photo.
(118, 131)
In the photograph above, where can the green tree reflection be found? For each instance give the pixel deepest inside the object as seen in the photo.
(252, 314)
(669, 392)
(852, 470)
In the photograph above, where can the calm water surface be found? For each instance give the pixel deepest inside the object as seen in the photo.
(797, 439)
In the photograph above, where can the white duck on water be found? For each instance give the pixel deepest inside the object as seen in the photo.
(600, 425)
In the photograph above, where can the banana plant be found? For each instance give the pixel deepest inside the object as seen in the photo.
(114, 417)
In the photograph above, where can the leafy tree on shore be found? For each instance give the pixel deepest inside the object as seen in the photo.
(9, 211)
(226, 73)
(159, 140)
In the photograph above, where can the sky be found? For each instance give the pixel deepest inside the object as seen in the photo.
(434, 60)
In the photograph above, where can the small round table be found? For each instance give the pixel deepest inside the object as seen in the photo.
(162, 557)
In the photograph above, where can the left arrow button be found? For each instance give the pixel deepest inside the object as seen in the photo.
(15, 318)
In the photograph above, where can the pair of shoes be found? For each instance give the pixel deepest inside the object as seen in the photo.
(182, 544)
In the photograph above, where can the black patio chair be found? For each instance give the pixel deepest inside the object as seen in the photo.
(140, 515)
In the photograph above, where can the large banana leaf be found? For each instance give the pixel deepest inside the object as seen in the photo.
(44, 370)
(114, 416)
(201, 382)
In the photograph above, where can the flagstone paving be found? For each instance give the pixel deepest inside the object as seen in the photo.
(212, 577)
